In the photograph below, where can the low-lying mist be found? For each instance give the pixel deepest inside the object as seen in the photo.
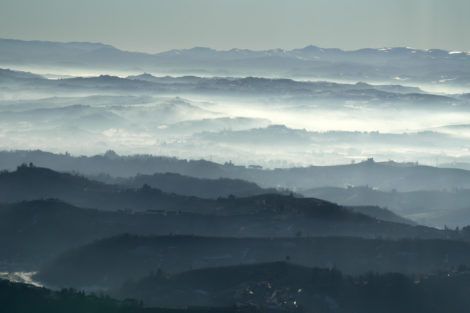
(223, 119)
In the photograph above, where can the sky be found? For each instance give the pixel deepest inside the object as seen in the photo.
(159, 25)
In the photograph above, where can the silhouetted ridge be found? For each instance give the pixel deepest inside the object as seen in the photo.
(192, 186)
(385, 176)
(30, 182)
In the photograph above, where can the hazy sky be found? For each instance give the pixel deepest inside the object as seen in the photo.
(156, 25)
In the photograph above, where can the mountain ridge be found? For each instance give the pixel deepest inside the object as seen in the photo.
(89, 45)
(448, 66)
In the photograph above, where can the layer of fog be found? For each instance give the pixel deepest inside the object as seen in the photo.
(211, 126)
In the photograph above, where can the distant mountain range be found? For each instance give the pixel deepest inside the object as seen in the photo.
(387, 64)
(289, 137)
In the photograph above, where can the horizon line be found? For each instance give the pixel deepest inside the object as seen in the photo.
(381, 48)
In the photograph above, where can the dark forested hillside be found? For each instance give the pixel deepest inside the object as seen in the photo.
(21, 298)
(192, 186)
(381, 213)
(299, 289)
(29, 183)
(268, 287)
(108, 263)
(33, 232)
